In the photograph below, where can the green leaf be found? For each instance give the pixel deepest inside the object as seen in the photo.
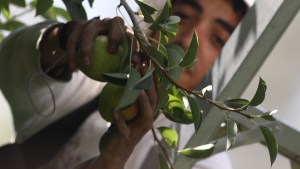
(129, 96)
(232, 130)
(1, 37)
(173, 20)
(116, 78)
(169, 30)
(164, 87)
(4, 5)
(163, 17)
(145, 82)
(43, 6)
(203, 151)
(271, 143)
(20, 3)
(5, 13)
(206, 90)
(147, 11)
(175, 55)
(189, 58)
(91, 2)
(259, 94)
(197, 113)
(175, 72)
(75, 9)
(158, 55)
(268, 115)
(169, 135)
(63, 13)
(77, 1)
(237, 103)
(176, 112)
(11, 25)
(4, 9)
(50, 14)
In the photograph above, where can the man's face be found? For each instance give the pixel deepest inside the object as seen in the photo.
(214, 21)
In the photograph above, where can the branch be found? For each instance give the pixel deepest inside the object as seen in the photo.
(163, 149)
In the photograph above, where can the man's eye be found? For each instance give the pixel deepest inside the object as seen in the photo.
(182, 16)
(218, 41)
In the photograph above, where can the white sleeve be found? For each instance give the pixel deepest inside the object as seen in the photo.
(31, 93)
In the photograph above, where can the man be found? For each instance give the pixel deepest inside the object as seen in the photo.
(213, 20)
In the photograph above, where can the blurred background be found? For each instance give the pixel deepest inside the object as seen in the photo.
(280, 71)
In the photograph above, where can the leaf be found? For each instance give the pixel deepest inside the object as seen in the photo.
(1, 37)
(169, 135)
(259, 94)
(20, 3)
(164, 15)
(271, 143)
(189, 58)
(158, 55)
(169, 30)
(4, 5)
(232, 130)
(175, 55)
(163, 100)
(11, 25)
(203, 151)
(91, 2)
(75, 9)
(175, 72)
(63, 13)
(43, 6)
(50, 14)
(173, 20)
(237, 103)
(147, 11)
(4, 9)
(176, 112)
(145, 82)
(206, 89)
(5, 13)
(197, 113)
(268, 115)
(116, 78)
(164, 86)
(129, 96)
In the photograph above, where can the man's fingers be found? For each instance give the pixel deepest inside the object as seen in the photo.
(145, 111)
(121, 125)
(72, 44)
(116, 34)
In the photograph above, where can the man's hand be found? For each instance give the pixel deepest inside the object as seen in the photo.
(60, 44)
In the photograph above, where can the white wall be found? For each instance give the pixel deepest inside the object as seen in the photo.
(281, 73)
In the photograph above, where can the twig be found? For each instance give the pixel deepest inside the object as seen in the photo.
(162, 148)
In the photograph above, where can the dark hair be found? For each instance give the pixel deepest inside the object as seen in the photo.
(240, 6)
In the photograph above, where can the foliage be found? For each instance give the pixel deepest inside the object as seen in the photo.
(166, 63)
